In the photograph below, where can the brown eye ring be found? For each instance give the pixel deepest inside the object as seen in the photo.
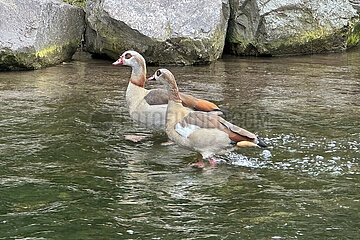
(128, 55)
(158, 72)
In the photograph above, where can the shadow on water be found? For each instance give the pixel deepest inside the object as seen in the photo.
(66, 171)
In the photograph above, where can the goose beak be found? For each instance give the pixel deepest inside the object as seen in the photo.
(261, 143)
(119, 61)
(251, 144)
(152, 78)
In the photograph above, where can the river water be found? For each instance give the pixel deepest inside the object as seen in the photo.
(66, 171)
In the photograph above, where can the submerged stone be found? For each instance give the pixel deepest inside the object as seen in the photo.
(38, 33)
(169, 32)
(272, 27)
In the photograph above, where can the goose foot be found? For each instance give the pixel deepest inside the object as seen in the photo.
(134, 138)
(212, 161)
(168, 143)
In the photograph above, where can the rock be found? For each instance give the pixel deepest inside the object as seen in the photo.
(167, 32)
(273, 27)
(355, 4)
(38, 33)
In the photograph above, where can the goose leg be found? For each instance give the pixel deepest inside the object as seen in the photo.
(212, 162)
(199, 164)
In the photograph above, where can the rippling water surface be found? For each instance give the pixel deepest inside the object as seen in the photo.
(66, 171)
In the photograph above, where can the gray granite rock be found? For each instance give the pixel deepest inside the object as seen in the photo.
(164, 31)
(38, 33)
(355, 4)
(273, 27)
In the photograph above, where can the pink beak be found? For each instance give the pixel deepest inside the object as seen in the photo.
(119, 61)
(152, 78)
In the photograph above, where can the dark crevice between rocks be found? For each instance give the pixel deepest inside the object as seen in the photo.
(238, 47)
(227, 47)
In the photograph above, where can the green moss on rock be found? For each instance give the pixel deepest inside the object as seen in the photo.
(79, 3)
(56, 53)
(240, 45)
(353, 34)
(316, 41)
(48, 56)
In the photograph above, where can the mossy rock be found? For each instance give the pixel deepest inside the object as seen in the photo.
(317, 41)
(186, 35)
(29, 40)
(271, 27)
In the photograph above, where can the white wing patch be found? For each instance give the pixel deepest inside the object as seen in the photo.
(185, 131)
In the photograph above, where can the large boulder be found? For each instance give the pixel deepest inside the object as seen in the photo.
(38, 33)
(274, 27)
(170, 32)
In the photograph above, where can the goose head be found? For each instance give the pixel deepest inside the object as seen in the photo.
(130, 58)
(165, 77)
(137, 63)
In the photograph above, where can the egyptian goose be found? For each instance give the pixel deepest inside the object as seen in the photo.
(149, 106)
(202, 132)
